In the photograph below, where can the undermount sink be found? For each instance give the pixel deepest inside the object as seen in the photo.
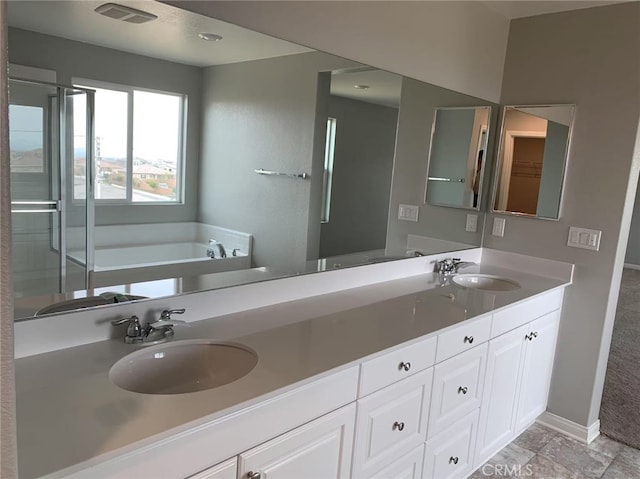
(485, 282)
(183, 367)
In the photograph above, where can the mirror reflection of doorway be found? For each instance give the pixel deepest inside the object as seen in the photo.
(526, 172)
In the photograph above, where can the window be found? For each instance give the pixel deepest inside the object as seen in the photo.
(138, 143)
(26, 138)
(328, 169)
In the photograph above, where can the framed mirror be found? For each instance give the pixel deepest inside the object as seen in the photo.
(458, 150)
(534, 145)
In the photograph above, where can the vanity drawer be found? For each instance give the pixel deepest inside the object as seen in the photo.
(408, 466)
(463, 337)
(450, 454)
(225, 470)
(525, 312)
(396, 365)
(391, 422)
(457, 388)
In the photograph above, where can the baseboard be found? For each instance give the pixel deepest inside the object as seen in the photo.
(632, 266)
(570, 428)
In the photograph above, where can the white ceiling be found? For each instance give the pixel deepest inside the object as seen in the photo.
(526, 8)
(173, 36)
(384, 87)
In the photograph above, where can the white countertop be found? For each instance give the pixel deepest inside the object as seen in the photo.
(69, 412)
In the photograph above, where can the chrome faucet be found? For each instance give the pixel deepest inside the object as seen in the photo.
(154, 331)
(450, 266)
(216, 246)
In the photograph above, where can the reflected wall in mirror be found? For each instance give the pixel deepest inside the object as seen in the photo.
(246, 102)
(459, 139)
(534, 145)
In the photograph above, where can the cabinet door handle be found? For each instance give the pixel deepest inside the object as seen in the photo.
(253, 475)
(462, 390)
(453, 460)
(528, 337)
(406, 366)
(534, 334)
(468, 339)
(398, 425)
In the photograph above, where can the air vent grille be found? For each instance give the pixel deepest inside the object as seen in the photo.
(126, 14)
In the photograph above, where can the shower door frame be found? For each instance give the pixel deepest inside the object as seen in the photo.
(59, 204)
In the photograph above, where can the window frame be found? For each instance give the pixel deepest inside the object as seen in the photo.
(80, 82)
(327, 177)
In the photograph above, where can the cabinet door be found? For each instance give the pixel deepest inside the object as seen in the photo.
(540, 349)
(408, 466)
(449, 455)
(225, 470)
(457, 388)
(500, 397)
(320, 449)
(391, 422)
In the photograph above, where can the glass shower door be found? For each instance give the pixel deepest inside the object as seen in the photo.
(46, 217)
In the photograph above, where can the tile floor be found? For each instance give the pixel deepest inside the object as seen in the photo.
(542, 453)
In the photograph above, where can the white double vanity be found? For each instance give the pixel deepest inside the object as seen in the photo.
(410, 377)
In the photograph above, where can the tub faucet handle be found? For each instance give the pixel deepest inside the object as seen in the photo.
(216, 246)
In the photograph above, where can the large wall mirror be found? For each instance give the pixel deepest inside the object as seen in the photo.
(459, 140)
(534, 145)
(222, 156)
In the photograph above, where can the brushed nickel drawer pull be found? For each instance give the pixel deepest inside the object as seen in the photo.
(406, 366)
(468, 339)
(453, 460)
(398, 425)
(462, 390)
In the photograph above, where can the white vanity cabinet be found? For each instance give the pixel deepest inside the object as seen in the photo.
(320, 449)
(519, 368)
(435, 408)
(226, 470)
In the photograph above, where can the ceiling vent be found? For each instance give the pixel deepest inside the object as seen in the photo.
(126, 14)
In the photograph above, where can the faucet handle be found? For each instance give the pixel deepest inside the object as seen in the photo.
(166, 314)
(168, 323)
(134, 329)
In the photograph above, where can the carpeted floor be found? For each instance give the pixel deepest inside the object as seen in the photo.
(620, 409)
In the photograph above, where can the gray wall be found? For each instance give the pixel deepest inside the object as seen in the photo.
(363, 163)
(261, 114)
(74, 59)
(417, 110)
(589, 57)
(633, 248)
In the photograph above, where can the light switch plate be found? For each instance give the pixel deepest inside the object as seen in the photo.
(408, 213)
(472, 223)
(498, 227)
(584, 238)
